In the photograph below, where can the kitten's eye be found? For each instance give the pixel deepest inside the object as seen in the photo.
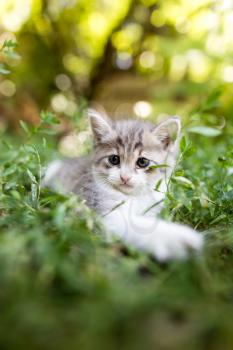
(114, 159)
(143, 162)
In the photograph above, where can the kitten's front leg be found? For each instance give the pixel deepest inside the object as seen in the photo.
(163, 239)
(174, 241)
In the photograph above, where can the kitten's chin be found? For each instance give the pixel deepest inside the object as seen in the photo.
(126, 189)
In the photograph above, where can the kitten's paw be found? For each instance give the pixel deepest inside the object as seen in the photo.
(175, 242)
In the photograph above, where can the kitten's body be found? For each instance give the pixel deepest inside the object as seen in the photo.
(124, 194)
(76, 175)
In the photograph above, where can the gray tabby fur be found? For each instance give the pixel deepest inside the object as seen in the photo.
(122, 204)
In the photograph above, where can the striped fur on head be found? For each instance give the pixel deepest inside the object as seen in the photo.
(131, 140)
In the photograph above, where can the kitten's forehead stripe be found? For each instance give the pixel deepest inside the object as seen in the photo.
(119, 141)
(140, 135)
(129, 139)
(138, 145)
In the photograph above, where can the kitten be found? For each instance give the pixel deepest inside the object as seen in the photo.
(118, 181)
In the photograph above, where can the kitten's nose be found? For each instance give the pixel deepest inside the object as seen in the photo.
(125, 178)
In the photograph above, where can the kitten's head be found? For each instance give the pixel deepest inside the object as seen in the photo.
(127, 153)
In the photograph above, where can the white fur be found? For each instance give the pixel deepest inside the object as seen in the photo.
(130, 212)
(134, 216)
(164, 240)
(51, 172)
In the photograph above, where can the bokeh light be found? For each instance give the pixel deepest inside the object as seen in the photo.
(13, 13)
(114, 53)
(63, 82)
(147, 59)
(7, 88)
(142, 109)
(59, 103)
(124, 60)
(228, 74)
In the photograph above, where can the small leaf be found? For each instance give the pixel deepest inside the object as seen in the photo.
(10, 44)
(170, 196)
(158, 185)
(34, 193)
(183, 144)
(179, 173)
(159, 166)
(190, 150)
(24, 126)
(210, 105)
(222, 159)
(30, 149)
(47, 132)
(10, 184)
(32, 177)
(7, 144)
(15, 194)
(3, 69)
(205, 131)
(49, 118)
(44, 142)
(219, 218)
(10, 170)
(204, 200)
(213, 99)
(183, 180)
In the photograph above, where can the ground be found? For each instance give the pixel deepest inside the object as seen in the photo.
(61, 285)
(64, 287)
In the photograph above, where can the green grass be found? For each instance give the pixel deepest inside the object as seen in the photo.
(63, 287)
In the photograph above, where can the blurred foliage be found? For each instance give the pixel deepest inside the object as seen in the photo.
(62, 286)
(70, 48)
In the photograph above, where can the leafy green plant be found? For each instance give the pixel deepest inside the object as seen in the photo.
(63, 287)
(7, 51)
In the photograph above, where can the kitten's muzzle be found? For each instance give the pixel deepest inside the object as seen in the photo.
(125, 180)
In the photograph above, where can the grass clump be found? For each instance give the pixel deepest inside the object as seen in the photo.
(63, 287)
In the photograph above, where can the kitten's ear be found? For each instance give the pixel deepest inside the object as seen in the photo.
(100, 125)
(168, 131)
